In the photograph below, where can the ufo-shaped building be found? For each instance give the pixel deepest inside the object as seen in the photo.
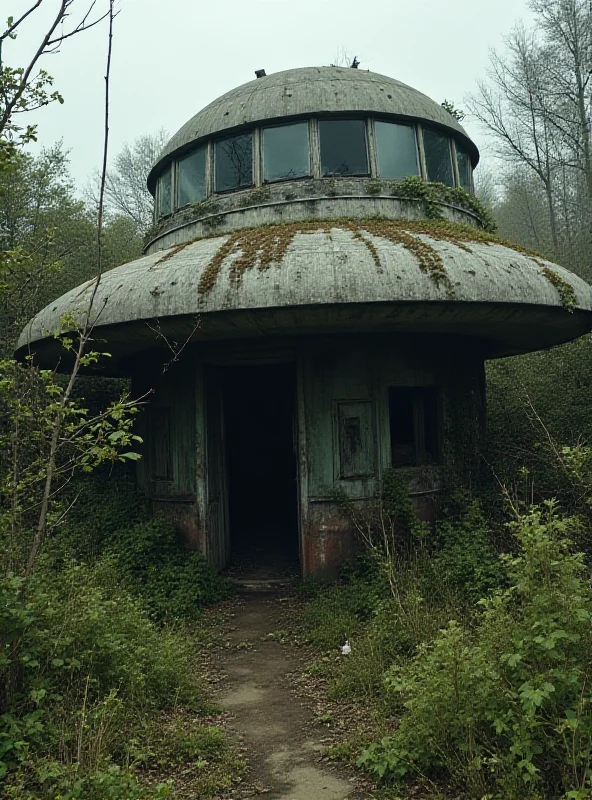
(315, 305)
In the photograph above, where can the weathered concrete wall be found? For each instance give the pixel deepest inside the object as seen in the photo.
(294, 201)
(342, 381)
(167, 471)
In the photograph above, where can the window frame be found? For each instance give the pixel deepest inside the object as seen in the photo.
(420, 425)
(171, 170)
(254, 158)
(177, 204)
(451, 151)
(369, 166)
(418, 155)
(310, 167)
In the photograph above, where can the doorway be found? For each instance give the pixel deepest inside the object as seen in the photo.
(259, 405)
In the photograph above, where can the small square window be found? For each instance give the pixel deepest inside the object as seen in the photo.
(413, 416)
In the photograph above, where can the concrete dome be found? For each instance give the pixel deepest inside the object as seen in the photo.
(309, 91)
(333, 277)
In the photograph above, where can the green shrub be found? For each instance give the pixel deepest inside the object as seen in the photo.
(463, 555)
(172, 581)
(501, 707)
(110, 517)
(82, 666)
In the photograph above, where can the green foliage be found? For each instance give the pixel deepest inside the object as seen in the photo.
(431, 195)
(500, 707)
(173, 581)
(530, 422)
(463, 552)
(110, 517)
(38, 419)
(83, 667)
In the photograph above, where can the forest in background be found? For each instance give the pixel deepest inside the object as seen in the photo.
(480, 689)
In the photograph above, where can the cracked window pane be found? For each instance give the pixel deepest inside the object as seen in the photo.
(465, 169)
(343, 147)
(191, 177)
(164, 193)
(396, 150)
(285, 152)
(438, 157)
(234, 162)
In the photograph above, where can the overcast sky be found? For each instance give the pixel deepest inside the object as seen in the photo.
(172, 57)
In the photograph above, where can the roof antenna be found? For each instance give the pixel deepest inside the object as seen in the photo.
(260, 73)
(355, 63)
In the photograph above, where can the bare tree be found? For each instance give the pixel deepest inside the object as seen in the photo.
(125, 187)
(513, 107)
(29, 87)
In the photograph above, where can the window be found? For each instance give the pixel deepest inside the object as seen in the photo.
(413, 414)
(343, 147)
(164, 193)
(396, 150)
(234, 162)
(465, 169)
(285, 152)
(191, 177)
(438, 157)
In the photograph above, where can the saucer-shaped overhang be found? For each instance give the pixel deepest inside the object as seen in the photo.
(330, 278)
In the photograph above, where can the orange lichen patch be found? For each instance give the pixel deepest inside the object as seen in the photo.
(266, 245)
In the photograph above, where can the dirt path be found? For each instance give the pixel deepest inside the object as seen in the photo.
(283, 746)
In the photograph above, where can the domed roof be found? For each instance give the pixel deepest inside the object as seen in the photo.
(307, 91)
(333, 277)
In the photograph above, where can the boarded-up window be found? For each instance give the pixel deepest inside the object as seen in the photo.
(413, 416)
(160, 445)
(355, 439)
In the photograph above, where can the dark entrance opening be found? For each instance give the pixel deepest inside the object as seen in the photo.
(259, 416)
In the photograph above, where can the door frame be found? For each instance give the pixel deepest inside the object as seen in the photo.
(216, 367)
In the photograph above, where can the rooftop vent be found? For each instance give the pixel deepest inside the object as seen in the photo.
(260, 73)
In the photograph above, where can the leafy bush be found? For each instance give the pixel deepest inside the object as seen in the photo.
(82, 664)
(463, 555)
(172, 581)
(501, 707)
(110, 518)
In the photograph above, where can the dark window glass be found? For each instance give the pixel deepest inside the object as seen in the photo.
(465, 169)
(164, 193)
(414, 426)
(234, 162)
(343, 147)
(396, 150)
(438, 157)
(191, 177)
(285, 152)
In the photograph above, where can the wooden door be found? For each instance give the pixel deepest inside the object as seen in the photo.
(217, 527)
